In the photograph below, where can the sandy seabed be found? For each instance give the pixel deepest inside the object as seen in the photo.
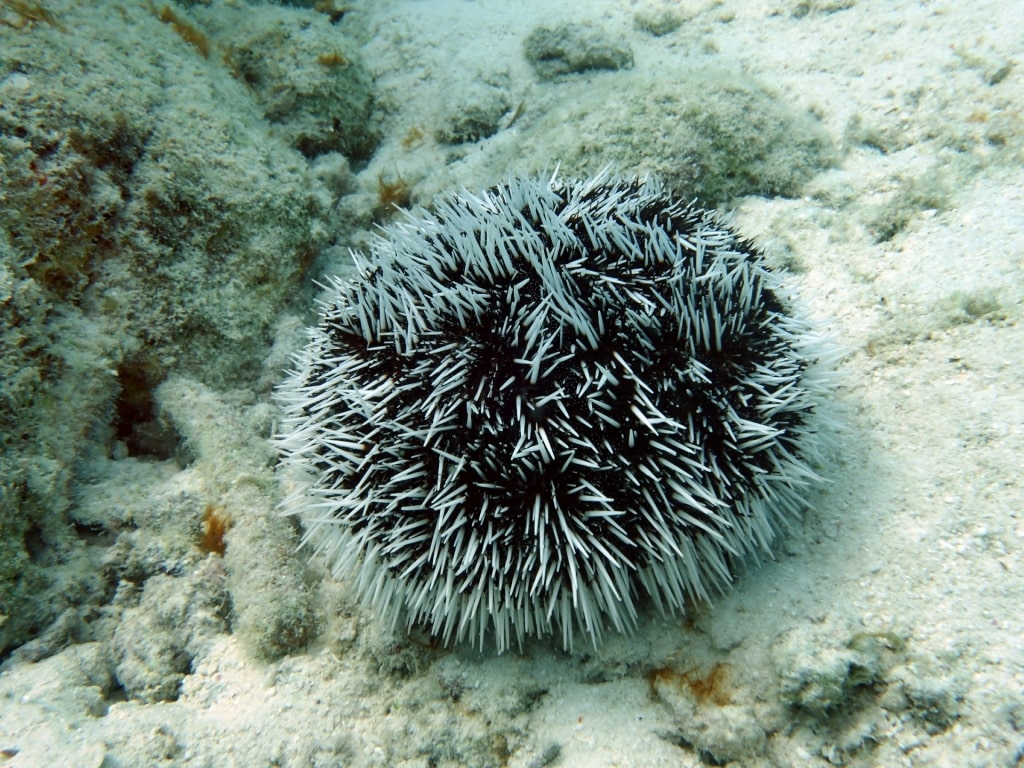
(887, 631)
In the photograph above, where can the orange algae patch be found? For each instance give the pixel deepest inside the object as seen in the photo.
(215, 524)
(186, 31)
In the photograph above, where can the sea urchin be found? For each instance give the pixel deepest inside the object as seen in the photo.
(530, 408)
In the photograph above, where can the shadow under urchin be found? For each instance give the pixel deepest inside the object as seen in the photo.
(530, 408)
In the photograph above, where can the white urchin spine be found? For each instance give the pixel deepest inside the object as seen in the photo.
(534, 406)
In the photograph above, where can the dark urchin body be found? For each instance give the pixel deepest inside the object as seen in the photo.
(532, 407)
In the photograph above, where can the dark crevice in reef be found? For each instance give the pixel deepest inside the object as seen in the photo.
(137, 424)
